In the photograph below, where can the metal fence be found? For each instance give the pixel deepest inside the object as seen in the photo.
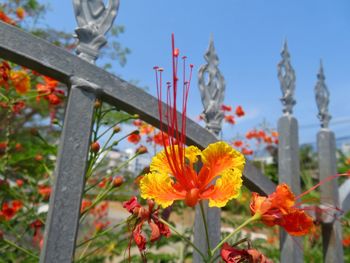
(86, 82)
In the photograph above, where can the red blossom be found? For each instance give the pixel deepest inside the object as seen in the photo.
(134, 138)
(44, 191)
(3, 147)
(238, 143)
(6, 18)
(85, 204)
(19, 182)
(18, 106)
(230, 119)
(234, 255)
(280, 208)
(239, 111)
(246, 151)
(49, 91)
(9, 209)
(226, 108)
(5, 71)
(346, 241)
(143, 215)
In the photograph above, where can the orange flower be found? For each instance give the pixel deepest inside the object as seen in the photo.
(172, 171)
(230, 119)
(239, 111)
(20, 12)
(21, 81)
(280, 208)
(146, 129)
(49, 91)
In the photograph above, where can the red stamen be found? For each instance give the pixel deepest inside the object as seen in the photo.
(327, 179)
(174, 143)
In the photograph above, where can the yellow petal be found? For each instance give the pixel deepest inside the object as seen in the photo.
(192, 153)
(219, 157)
(227, 187)
(160, 163)
(160, 188)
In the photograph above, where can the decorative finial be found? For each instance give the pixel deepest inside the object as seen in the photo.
(322, 98)
(212, 88)
(286, 76)
(94, 20)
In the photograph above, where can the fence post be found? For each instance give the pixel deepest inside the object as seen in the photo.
(331, 228)
(288, 152)
(64, 211)
(212, 91)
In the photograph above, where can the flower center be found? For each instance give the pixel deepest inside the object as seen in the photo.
(192, 197)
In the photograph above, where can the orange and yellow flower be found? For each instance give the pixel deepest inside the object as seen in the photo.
(187, 173)
(280, 208)
(171, 179)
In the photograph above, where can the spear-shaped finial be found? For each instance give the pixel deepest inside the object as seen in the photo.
(322, 98)
(212, 88)
(286, 76)
(94, 20)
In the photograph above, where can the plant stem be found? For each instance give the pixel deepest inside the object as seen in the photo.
(182, 237)
(253, 218)
(205, 227)
(29, 253)
(101, 233)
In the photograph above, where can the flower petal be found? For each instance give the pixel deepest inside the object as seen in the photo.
(227, 187)
(160, 163)
(160, 188)
(282, 198)
(192, 153)
(297, 223)
(218, 157)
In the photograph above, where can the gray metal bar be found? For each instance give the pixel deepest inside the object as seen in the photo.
(344, 196)
(41, 56)
(288, 152)
(289, 172)
(63, 217)
(327, 162)
(331, 230)
(212, 91)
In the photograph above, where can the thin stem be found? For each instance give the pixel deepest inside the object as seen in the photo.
(252, 219)
(20, 248)
(182, 237)
(101, 233)
(205, 227)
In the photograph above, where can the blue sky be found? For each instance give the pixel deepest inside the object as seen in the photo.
(248, 36)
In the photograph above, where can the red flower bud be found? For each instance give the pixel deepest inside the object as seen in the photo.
(118, 181)
(95, 147)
